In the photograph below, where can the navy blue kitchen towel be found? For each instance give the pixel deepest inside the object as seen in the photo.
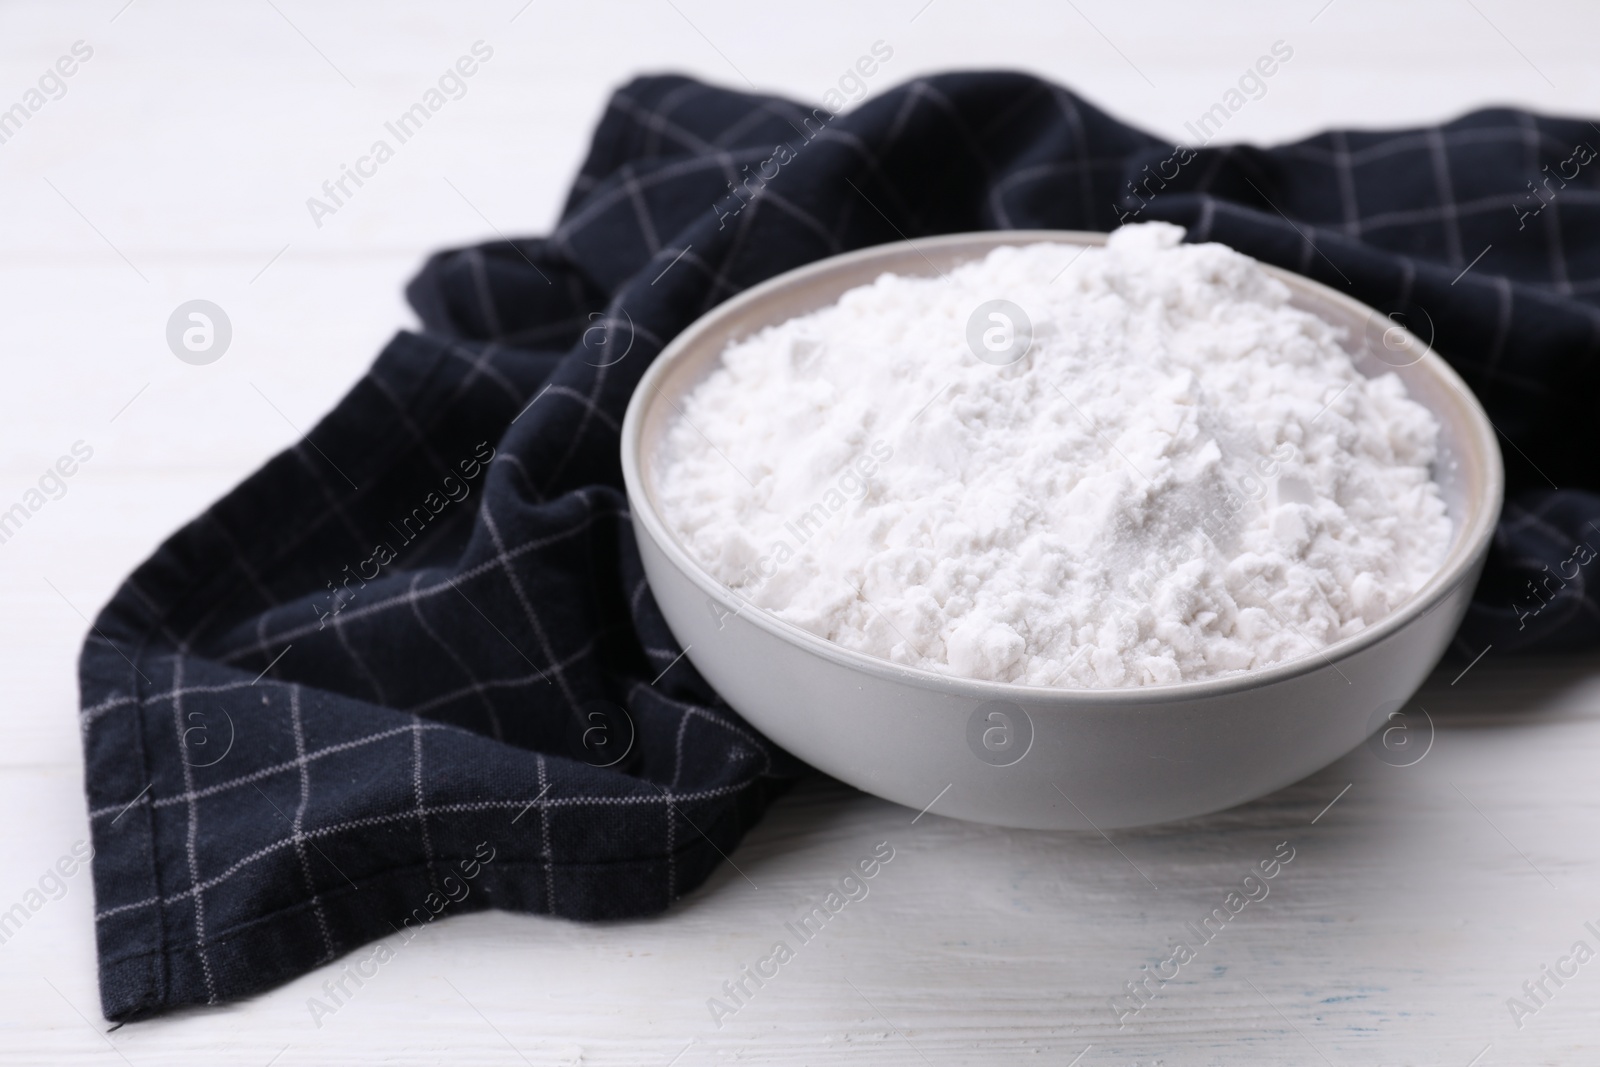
(411, 667)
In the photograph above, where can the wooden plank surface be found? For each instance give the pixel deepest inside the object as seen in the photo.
(177, 165)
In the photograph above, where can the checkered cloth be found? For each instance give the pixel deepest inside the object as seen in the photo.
(422, 636)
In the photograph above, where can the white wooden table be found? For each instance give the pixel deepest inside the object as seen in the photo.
(177, 165)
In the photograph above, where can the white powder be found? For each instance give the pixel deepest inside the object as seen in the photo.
(1182, 478)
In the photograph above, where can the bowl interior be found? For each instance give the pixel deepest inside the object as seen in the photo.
(1467, 470)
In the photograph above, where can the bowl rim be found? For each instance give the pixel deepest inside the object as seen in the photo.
(1482, 509)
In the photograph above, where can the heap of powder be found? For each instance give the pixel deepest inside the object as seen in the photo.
(1183, 478)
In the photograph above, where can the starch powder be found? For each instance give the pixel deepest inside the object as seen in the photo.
(1182, 478)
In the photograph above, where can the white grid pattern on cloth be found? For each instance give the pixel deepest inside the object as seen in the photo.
(554, 669)
(479, 688)
(476, 687)
(1449, 212)
(299, 822)
(263, 773)
(257, 648)
(544, 833)
(411, 813)
(274, 632)
(192, 815)
(422, 816)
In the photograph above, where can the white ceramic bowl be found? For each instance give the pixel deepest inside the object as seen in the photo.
(1053, 758)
